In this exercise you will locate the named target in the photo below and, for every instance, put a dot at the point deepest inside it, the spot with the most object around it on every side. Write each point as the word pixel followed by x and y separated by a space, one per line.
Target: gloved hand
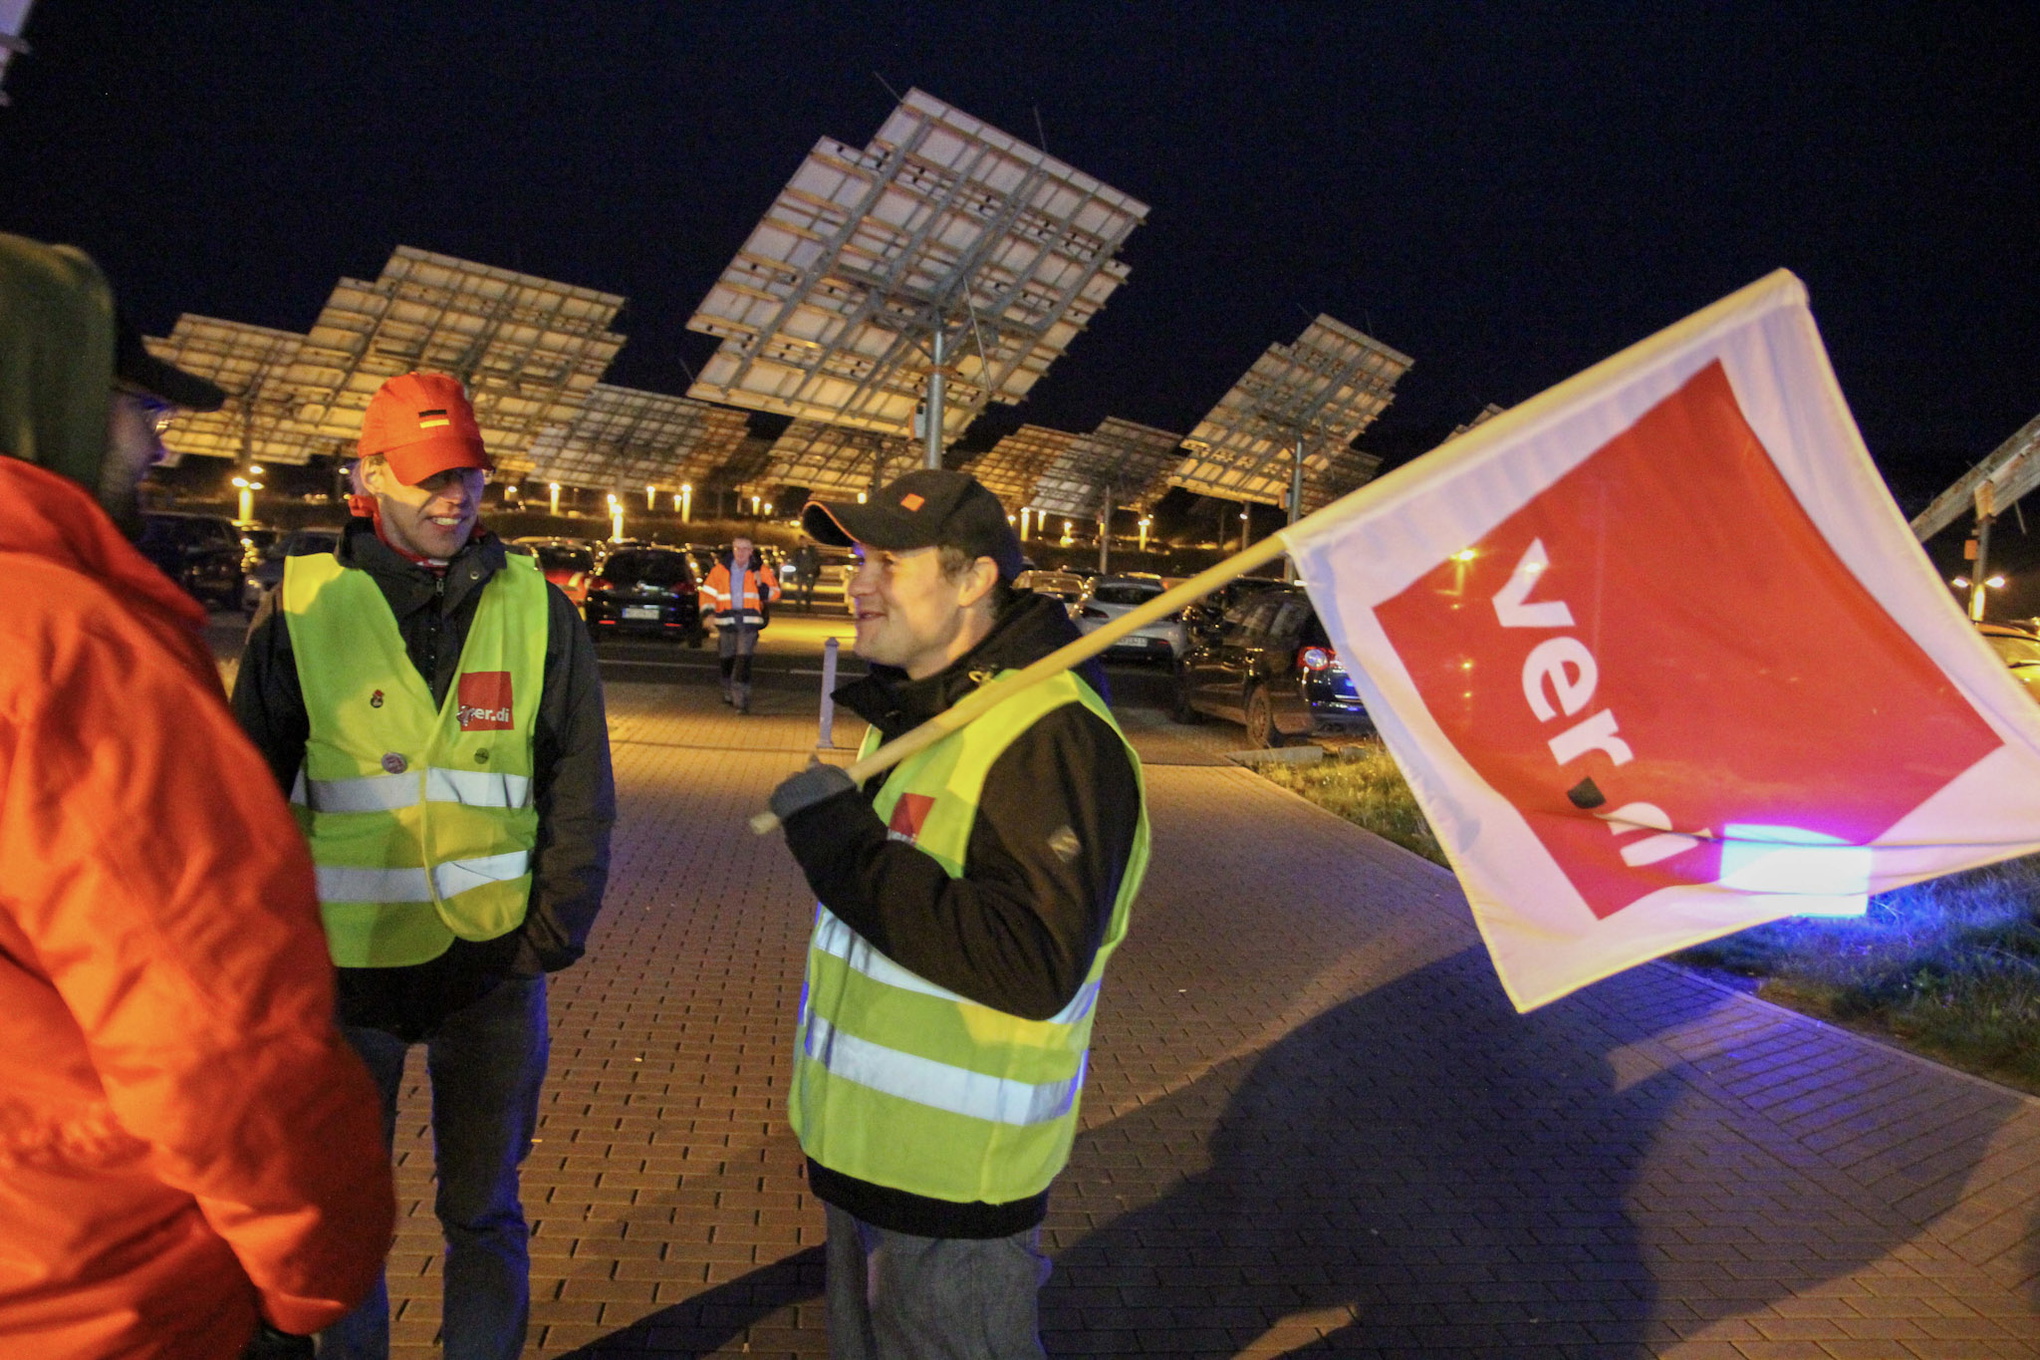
pixel 270 1344
pixel 818 783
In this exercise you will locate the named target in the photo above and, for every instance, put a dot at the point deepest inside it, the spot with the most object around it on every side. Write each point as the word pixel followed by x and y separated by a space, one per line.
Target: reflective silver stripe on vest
pixel 392 792
pixel 338 883
pixel 939 1085
pixel 477 788
pixel 832 936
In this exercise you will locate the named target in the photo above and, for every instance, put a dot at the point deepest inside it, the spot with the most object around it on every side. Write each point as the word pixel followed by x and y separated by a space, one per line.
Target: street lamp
pixel 686 502
pixel 1145 521
pixel 248 490
pixel 554 489
pixel 651 498
pixel 615 519
pixel 1977 591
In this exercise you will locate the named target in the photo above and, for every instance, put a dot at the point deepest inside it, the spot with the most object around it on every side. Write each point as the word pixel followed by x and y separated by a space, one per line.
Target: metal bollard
pixel 827 742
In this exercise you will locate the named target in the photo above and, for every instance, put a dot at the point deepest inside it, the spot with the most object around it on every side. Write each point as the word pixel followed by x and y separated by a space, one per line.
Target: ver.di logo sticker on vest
pixel 909 815
pixel 483 701
pixel 1608 660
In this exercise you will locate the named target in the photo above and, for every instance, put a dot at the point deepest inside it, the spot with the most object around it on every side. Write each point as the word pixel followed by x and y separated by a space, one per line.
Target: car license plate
pixel 641 611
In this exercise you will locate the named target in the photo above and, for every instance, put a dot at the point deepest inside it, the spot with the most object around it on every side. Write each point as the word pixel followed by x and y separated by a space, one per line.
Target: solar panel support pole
pixel 1105 536
pixel 1295 502
pixel 1986 508
pixel 938 388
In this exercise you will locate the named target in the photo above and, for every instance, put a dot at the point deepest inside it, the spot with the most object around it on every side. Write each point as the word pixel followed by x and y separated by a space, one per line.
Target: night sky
pixel 1507 193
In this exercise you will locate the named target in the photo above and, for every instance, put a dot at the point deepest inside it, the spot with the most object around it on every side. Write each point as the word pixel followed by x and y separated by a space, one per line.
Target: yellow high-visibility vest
pixel 903 1083
pixel 420 817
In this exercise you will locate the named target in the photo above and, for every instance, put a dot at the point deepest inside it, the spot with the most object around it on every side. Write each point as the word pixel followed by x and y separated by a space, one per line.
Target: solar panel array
pixel 622 437
pixel 1131 462
pixel 1011 467
pixel 834 461
pixel 1336 472
pixel 1325 389
pixel 1487 413
pixel 743 468
pixel 249 362
pixel 2011 470
pixel 530 350
pixel 943 224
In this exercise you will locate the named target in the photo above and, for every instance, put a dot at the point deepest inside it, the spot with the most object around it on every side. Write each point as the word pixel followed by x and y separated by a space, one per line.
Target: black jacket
pixel 572 786
pixel 1019 930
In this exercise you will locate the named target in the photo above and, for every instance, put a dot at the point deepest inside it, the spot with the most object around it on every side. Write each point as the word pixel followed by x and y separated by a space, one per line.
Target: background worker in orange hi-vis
pixel 737 598
pixel 191 1158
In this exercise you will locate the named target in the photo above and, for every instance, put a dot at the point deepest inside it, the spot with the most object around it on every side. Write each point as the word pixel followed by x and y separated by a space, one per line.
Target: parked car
pixel 1272 669
pixel 268 573
pixel 257 539
pixel 703 556
pixel 201 553
pixel 833 569
pixel 1064 585
pixel 569 563
pixel 646 590
pixel 2020 648
pixel 1203 621
pixel 1107 597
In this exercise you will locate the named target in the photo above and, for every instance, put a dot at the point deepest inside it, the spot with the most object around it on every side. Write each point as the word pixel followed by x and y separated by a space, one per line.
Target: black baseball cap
pixel 928 508
pixel 133 364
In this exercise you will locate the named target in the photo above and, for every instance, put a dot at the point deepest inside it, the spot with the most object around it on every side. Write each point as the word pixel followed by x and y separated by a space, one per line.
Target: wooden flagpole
pixel 1055 663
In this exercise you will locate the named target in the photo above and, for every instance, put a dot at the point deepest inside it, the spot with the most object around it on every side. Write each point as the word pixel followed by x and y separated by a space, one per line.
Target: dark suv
pixel 646 590
pixel 1270 666
pixel 201 553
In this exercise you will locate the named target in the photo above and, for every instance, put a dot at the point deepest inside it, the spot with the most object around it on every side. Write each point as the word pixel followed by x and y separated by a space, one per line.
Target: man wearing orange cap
pixel 434 708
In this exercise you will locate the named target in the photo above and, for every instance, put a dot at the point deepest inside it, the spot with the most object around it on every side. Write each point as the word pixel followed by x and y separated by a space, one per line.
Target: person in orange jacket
pixel 191 1159
pixel 737 599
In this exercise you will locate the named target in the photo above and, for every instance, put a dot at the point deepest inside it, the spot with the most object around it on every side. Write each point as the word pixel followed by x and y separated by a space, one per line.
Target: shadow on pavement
pixel 1421 1168
pixel 709 1321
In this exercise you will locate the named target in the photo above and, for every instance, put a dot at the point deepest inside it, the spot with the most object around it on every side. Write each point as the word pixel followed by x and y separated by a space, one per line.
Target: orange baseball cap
pixel 422 423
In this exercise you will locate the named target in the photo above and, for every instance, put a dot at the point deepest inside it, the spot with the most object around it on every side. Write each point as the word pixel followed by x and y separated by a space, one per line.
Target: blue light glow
pixel 1823 875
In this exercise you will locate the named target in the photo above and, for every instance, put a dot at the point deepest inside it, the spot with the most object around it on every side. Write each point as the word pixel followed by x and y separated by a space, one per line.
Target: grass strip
pixel 1949 969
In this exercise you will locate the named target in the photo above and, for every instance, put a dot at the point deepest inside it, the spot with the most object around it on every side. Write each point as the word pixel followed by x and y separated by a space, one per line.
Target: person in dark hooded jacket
pixel 189 1152
pixel 970 899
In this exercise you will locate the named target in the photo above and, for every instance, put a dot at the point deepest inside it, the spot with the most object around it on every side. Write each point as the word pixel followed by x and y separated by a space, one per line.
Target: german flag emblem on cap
pixel 434 420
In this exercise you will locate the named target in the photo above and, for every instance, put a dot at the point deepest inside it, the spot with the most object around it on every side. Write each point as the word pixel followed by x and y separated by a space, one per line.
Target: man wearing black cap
pixel 189 1152
pixel 969 902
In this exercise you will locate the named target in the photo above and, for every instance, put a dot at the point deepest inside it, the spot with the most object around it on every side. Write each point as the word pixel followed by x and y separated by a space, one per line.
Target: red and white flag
pixel 1661 660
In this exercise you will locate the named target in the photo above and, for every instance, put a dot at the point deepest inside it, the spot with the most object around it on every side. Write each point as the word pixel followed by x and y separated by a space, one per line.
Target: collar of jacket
pixel 50 516
pixel 1030 630
pixel 410 586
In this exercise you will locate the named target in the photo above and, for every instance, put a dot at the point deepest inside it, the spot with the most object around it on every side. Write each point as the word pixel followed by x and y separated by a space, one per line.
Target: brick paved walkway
pixel 1313 1123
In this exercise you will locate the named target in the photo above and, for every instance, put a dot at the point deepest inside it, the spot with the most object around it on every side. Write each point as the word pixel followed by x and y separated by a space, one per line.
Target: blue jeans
pixel 894 1296
pixel 486 1064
